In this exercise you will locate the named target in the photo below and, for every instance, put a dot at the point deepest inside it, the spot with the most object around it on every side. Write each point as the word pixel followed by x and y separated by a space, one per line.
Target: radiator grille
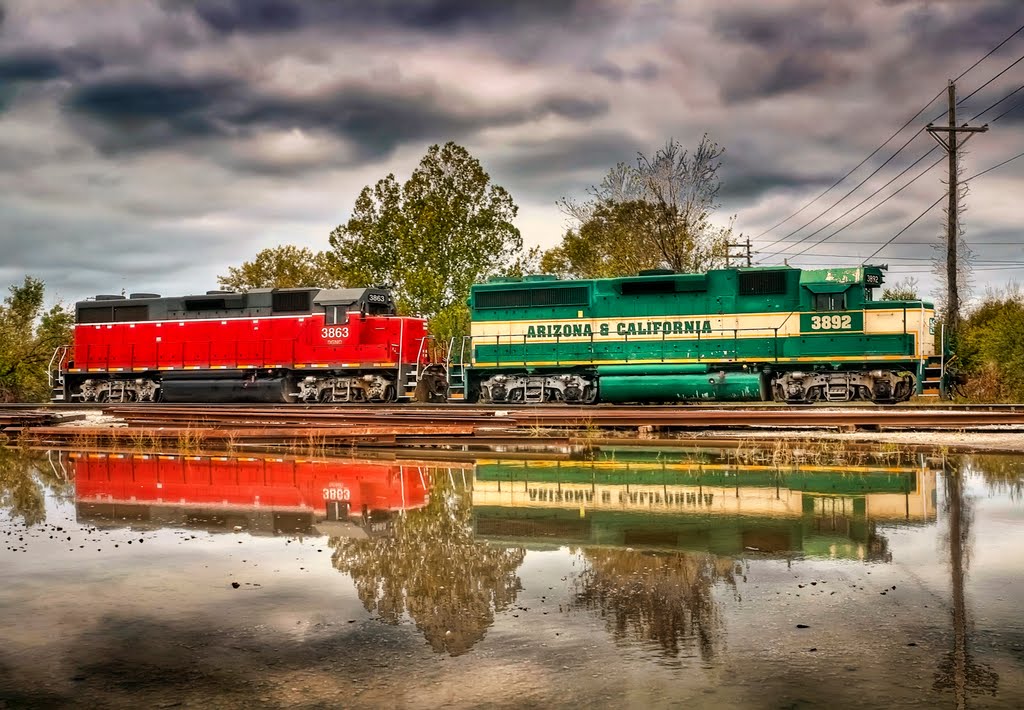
pixel 762 283
pixel 292 302
pixel 536 297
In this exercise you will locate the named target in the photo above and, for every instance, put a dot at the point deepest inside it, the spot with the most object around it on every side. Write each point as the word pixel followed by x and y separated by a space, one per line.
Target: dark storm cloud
pixel 141 99
pixel 143 113
pixel 29 66
pixel 260 16
pixel 762 77
pixel 970 26
pixel 140 113
pixel 250 15
pixel 551 169
pixel 741 186
pixel 786 50
pixel 808 29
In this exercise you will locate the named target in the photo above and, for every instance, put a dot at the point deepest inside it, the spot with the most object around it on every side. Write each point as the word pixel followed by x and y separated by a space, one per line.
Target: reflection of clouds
pixel 433 569
pixel 665 598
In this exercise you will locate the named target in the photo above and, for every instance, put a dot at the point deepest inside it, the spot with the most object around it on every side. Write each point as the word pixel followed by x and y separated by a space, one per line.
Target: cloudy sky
pixel 149 144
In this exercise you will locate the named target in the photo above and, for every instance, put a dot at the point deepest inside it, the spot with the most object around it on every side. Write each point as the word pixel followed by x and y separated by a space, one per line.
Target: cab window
pixel 335 315
pixel 830 301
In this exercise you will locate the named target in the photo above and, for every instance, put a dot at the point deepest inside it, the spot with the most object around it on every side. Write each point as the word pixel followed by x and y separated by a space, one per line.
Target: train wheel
pixel 390 394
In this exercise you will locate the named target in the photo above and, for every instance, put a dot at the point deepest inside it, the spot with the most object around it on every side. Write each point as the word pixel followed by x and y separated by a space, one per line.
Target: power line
pixel 894 179
pixel 982 113
pixel 890 241
pixel 853 169
pixel 990 53
pixel 855 188
pixel 897 235
pixel 912 223
pixel 896 133
pixel 866 212
pixel 1009 110
pixel 1015 63
pixel 998 165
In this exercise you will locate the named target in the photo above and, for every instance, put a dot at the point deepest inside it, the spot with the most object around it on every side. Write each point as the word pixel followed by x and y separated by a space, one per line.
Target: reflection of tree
pixel 665 598
pixel 1002 474
pixel 23 476
pixel 958 671
pixel 432 568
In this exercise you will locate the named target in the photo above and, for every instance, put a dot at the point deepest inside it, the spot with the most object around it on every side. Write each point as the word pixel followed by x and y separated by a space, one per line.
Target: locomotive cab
pixel 338 303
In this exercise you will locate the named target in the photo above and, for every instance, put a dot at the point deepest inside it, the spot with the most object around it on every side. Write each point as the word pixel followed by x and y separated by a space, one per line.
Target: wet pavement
pixel 634 579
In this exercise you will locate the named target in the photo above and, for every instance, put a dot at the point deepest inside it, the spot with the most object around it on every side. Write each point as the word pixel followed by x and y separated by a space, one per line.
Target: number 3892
pixel 831 323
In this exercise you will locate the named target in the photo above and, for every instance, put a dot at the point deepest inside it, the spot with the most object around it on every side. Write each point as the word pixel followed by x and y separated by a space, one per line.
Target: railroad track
pixel 432 418
pixel 459 427
pixel 930 405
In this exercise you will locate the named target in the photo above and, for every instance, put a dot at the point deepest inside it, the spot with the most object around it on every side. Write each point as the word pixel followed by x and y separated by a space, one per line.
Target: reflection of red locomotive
pixel 267 345
pixel 260 494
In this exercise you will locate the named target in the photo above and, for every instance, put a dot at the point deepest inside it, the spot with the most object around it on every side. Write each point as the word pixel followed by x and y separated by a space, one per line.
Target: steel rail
pixel 570 417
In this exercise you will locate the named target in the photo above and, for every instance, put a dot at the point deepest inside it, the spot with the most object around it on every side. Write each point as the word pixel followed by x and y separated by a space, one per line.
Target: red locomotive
pixel 266 345
pixel 291 495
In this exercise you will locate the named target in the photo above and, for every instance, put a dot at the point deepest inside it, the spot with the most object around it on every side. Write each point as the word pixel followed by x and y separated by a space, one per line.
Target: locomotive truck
pixel 743 334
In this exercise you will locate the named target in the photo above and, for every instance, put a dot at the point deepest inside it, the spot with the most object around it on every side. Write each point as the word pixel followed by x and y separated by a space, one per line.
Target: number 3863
pixel 831 323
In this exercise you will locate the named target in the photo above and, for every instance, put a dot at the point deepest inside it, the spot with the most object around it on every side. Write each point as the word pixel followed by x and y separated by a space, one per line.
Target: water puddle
pixel 628 578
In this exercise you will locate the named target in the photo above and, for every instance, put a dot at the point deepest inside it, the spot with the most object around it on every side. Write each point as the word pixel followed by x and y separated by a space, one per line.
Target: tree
pixel 606 244
pixel 657 213
pixel 432 237
pixel 28 337
pixel 284 266
pixel 990 349
pixel 903 290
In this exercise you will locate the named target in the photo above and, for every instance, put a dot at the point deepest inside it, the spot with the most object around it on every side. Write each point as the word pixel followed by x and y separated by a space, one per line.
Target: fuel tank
pixel 722 386
pixel 269 390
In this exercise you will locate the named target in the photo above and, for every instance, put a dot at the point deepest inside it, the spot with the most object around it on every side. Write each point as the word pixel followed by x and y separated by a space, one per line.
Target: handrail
pixel 419 355
pixel 59 355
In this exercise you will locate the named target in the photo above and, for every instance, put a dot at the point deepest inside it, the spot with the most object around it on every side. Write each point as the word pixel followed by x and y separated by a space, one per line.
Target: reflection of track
pixel 261 494
pixel 688 416
pixel 724 509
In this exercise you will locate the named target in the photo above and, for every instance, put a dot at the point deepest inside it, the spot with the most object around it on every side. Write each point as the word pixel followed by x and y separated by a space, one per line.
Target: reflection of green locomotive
pixel 725 509
pixel 733 334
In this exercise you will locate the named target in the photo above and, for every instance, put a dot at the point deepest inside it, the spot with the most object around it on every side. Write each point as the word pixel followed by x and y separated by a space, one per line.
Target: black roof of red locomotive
pixel 258 303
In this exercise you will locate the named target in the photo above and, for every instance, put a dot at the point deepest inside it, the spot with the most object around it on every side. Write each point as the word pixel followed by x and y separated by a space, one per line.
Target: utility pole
pixel 952 146
pixel 744 253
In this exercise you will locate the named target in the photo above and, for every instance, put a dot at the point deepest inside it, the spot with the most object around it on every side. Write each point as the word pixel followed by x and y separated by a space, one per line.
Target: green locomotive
pixel 742 334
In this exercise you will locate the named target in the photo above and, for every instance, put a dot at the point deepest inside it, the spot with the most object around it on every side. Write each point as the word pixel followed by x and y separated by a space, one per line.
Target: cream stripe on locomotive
pixel 754 325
